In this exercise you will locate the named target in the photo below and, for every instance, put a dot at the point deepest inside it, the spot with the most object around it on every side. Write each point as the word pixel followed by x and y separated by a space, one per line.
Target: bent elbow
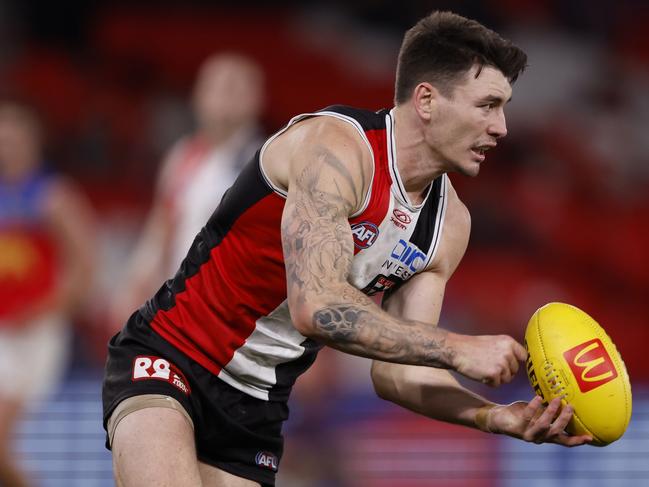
pixel 302 318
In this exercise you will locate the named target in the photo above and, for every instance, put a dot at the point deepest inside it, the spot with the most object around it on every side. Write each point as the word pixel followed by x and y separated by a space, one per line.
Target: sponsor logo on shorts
pixel 400 218
pixel 590 364
pixel 147 367
pixel 365 234
pixel 267 460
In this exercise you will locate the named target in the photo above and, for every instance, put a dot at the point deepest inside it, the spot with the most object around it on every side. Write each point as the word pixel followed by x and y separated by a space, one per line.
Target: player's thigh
pixel 155 447
pixel 215 477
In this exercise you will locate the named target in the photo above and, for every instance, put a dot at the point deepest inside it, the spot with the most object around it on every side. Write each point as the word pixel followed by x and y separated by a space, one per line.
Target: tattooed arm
pixel 330 169
pixel 434 393
pixel 437 394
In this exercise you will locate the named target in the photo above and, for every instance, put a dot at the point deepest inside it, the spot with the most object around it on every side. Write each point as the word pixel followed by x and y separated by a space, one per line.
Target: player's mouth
pixel 480 150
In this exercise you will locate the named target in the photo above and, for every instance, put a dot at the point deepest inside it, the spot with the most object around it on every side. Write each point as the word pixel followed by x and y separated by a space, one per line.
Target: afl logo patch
pixel 365 234
pixel 267 460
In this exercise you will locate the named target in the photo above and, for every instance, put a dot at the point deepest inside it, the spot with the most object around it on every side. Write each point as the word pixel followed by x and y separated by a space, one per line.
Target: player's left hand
pixel 532 422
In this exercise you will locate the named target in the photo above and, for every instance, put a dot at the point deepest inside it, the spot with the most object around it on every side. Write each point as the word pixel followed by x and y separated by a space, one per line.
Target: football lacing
pixel 554 381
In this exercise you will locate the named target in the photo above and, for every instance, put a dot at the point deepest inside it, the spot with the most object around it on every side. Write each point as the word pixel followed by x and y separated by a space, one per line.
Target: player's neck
pixel 417 165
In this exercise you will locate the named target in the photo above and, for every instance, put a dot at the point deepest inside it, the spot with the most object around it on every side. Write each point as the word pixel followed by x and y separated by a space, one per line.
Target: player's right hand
pixel 532 422
pixel 490 359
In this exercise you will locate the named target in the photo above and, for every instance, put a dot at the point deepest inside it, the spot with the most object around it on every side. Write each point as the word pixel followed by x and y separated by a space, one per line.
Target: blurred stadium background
pixel 560 210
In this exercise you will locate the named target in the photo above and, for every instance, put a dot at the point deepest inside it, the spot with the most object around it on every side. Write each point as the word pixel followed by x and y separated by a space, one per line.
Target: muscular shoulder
pixel 333 133
pixel 455 235
pixel 334 144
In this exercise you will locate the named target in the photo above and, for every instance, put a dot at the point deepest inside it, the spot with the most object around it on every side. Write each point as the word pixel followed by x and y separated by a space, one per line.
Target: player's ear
pixel 425 98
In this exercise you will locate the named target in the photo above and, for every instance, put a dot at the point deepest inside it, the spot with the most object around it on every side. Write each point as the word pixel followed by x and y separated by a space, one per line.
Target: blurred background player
pixel 227 101
pixel 45 269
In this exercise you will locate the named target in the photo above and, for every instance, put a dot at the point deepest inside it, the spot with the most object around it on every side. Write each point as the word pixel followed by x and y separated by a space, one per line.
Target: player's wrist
pixel 484 418
pixel 454 351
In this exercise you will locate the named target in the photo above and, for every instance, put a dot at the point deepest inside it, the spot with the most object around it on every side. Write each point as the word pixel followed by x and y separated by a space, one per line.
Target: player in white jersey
pixel 227 102
pixel 196 383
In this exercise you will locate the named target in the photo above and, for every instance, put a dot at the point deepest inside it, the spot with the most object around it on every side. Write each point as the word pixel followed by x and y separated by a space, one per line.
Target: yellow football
pixel 570 356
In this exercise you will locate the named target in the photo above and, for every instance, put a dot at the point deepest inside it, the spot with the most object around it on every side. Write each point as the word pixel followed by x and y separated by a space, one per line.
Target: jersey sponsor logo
pixel 400 218
pixel 590 364
pixel 267 460
pixel 365 234
pixel 409 255
pixel 404 261
pixel 150 367
pixel 380 284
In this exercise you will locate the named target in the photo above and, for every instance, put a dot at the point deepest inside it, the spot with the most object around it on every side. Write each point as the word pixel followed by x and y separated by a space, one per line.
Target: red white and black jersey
pixel 226 308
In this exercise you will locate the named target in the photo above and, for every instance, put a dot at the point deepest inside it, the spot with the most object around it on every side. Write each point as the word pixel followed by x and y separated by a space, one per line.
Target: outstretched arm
pixel 435 393
pixel 329 173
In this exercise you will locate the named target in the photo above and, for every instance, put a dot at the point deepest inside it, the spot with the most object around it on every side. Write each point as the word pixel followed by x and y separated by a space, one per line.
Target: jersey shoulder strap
pixel 367 119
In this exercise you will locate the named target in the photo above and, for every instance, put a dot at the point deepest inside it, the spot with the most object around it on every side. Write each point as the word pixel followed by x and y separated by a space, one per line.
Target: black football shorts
pixel 234 431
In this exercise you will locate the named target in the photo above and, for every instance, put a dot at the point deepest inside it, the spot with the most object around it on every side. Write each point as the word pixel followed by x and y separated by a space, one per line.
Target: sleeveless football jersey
pixel 226 307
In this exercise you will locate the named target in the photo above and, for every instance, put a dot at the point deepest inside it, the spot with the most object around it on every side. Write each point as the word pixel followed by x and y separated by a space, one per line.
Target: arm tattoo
pixel 339 322
pixel 365 331
pixel 318 252
pixel 316 234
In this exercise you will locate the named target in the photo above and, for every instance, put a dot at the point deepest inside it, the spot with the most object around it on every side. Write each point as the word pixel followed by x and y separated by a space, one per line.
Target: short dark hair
pixel 443 46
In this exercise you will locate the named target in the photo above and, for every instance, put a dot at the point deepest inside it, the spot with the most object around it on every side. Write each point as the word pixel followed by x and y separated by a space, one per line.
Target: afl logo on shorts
pixel 365 234
pixel 267 460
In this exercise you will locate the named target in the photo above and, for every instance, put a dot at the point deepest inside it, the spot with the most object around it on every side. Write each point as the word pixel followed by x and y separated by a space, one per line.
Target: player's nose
pixel 498 126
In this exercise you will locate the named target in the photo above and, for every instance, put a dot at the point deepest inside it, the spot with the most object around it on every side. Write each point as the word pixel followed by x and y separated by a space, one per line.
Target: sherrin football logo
pixel 400 218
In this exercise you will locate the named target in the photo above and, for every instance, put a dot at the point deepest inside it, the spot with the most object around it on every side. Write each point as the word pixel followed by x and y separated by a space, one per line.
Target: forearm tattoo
pixel 372 333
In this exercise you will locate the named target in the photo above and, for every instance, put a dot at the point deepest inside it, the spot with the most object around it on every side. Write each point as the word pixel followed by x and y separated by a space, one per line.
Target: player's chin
pixel 470 169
